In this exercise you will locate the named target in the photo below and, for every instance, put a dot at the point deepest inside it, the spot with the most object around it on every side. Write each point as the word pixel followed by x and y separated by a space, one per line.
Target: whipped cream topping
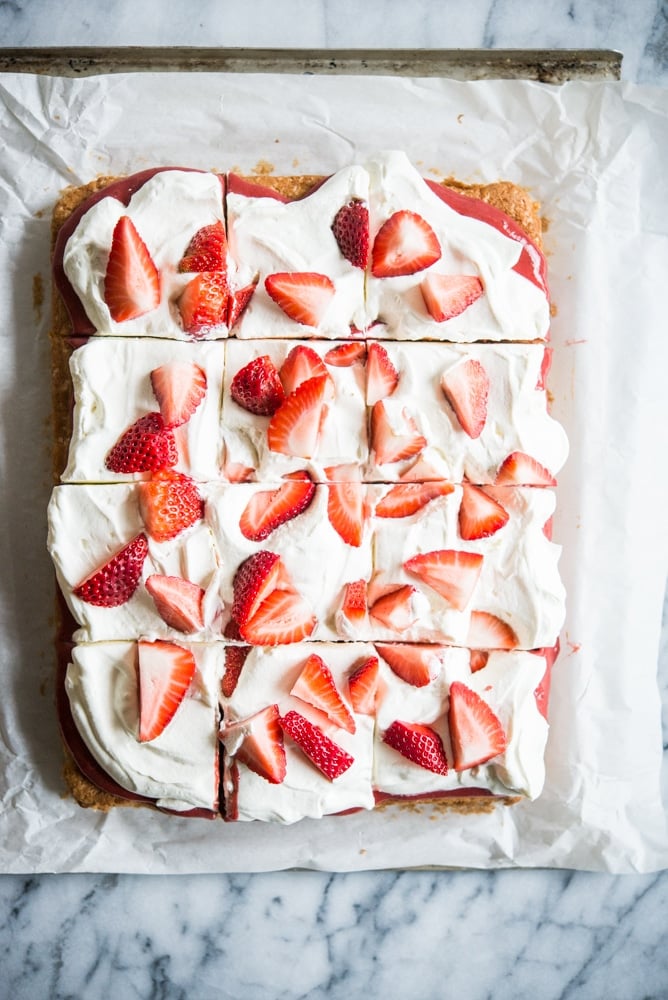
pixel 507 683
pixel 167 211
pixel 179 769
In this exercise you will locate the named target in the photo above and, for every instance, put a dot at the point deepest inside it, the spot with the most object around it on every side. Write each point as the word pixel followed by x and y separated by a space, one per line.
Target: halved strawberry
pixel 407 498
pixel 269 509
pixel 382 377
pixel 301 364
pixel 448 295
pixel 179 387
pixel 324 753
pixel 363 686
pixel 476 733
pixel 418 743
pixel 257 387
pixel 207 250
pixel 347 510
pixel 237 302
pixel 203 303
pixel 302 295
pixel 235 657
pixel 396 439
pixel 451 573
pixel 146 446
pixel 131 281
pixel 345 355
pixel 519 469
pixel 165 673
pixel 169 503
pixel 353 605
pixel 404 244
pixel 478 659
pixel 253 582
pixel 416 663
pixel 479 514
pixel 114 583
pixel 466 388
pixel 179 602
pixel 351 232
pixel 262 749
pixel 486 631
pixel 396 609
pixel 283 617
pixel 295 427
pixel 316 686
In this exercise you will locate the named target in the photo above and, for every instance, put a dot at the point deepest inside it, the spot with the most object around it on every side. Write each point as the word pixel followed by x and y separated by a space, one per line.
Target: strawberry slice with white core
pixel 295 427
pixel 479 514
pixel 115 582
pixel 302 295
pixel 404 244
pixel 203 303
pixel 131 281
pixel 519 469
pixel 408 498
pixel 316 686
pixel 382 377
pixel 179 387
pixel 345 355
pixel 478 659
pixel 451 573
pixel 331 759
pixel 415 663
pixel 396 610
pixel 466 388
pixel 237 302
pixel 146 446
pixel 351 232
pixel 487 631
pixel 346 510
pixel 418 743
pixel 476 733
pixel 363 686
pixel 283 617
pixel 207 250
pixel 396 437
pixel 301 364
pixel 165 672
pixel 257 387
pixel 253 582
pixel 179 602
pixel 169 503
pixel 269 509
pixel 262 747
pixel 448 295
pixel 421 471
pixel 236 472
pixel 353 606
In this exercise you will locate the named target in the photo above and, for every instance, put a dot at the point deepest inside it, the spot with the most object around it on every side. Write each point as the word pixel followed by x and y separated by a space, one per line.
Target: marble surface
pixel 308 934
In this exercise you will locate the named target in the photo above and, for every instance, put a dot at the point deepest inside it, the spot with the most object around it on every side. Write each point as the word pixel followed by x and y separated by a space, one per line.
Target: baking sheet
pixel 594 154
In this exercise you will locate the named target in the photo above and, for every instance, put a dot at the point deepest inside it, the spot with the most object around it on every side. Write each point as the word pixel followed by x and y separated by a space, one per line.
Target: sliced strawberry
pixel 169 503
pixel 418 743
pixel 257 387
pixel 349 472
pixel 236 472
pixel 448 295
pixel 420 471
pixel 207 250
pixel 262 749
pixel 351 232
pixel 382 377
pixel 405 244
pixel 415 663
pixel 327 755
pixel 179 387
pixel 131 281
pixel 451 573
pixel 479 514
pixel 179 602
pixel 146 446
pixel 295 427
pixel 203 303
pixel 301 364
pixel 316 686
pixel 407 498
pixel 478 659
pixel 346 510
pixel 253 582
pixel 353 606
pixel 519 469
pixel 283 617
pixel 466 388
pixel 115 582
pixel 394 441
pixel 486 631
pixel 476 733
pixel 235 657
pixel 545 366
pixel 395 610
pixel 237 302
pixel 165 672
pixel 303 296
pixel 363 686
pixel 269 509
pixel 345 355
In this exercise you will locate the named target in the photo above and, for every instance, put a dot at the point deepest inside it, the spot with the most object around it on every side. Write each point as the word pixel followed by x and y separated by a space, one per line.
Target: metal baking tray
pixel 544 65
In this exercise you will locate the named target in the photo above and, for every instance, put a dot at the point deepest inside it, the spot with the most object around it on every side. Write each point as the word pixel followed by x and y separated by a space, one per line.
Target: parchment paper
pixel 595 155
